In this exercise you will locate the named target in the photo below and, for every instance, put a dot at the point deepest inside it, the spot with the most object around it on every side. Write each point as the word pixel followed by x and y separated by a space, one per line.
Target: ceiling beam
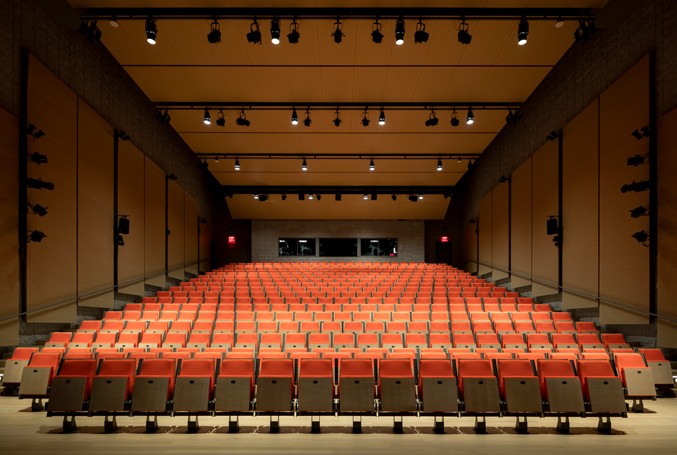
pixel 346 156
pixel 350 105
pixel 366 13
pixel 229 190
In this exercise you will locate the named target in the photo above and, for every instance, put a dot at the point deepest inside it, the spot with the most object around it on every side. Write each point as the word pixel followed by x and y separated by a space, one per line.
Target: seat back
pixel 23 353
pixel 356 368
pixel 276 368
pixel 315 368
pixel 77 367
pixel 629 360
pixel 650 354
pixel 45 359
pixel 475 368
pixel 117 367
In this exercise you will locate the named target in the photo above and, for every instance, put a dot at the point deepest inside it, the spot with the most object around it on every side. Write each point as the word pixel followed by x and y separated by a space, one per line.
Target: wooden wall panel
pixel 485 235
pixel 154 226
pixel 667 230
pixel 623 263
pixel 544 203
pixel 176 236
pixel 131 189
pixel 95 209
pixel 500 251
pixel 52 264
pixel 470 247
pixel 205 246
pixel 580 208
pixel 9 237
pixel 520 229
pixel 190 243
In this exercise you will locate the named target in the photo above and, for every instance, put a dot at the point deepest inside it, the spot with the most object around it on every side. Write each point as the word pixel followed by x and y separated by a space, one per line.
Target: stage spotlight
pixel 119 240
pixel 310 197
pixel 284 197
pixel 337 119
pixel 413 197
pixel 639 211
pixel 551 227
pixel 454 119
pixel 221 120
pixel 34 132
pixel 470 118
pixel 503 179
pixel 294 117
pixel 559 23
pixel 254 34
pixel 207 118
pixel 636 187
pixel 263 197
pixel 365 118
pixel 307 121
pixel 275 31
pixel 39 184
pixel 376 35
pixel 294 35
pixel 151 30
pixel 642 237
pixel 90 29
pixel 242 119
pixel 302 197
pixel 420 35
pixel 420 196
pixel 37 209
pixel 636 160
pixel 304 165
pixel 256 196
pixel 382 118
pixel 586 29
pixel 365 196
pixel 399 32
pixel 123 225
pixel 464 36
pixel 439 164
pixel 114 22
pixel 372 167
pixel 374 196
pixel 522 31
pixel 338 32
pixel 37 158
pixel 641 133
pixel 164 117
pixel 36 236
pixel 337 197
pixel 237 164
pixel 432 119
pixel 318 196
pixel 552 135
pixel 214 36
pixel 393 197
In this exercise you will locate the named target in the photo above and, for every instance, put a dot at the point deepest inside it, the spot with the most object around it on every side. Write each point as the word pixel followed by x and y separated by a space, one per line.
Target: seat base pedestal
pixel 110 424
pixel 193 424
pixel 604 425
pixel 69 424
pixel 233 424
pixel 357 425
pixel 151 424
pixel 438 425
pixel 314 424
pixel 521 426
pixel 563 426
pixel 480 425
pixel 274 424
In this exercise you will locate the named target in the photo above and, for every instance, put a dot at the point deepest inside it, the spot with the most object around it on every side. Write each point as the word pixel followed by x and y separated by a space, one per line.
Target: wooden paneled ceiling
pixel 184 73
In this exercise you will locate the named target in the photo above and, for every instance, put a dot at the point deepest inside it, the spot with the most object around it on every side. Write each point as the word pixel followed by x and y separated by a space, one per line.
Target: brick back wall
pixel 266 233
pixel 584 72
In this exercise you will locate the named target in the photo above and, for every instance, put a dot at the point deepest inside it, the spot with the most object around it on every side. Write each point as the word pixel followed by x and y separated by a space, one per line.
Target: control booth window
pixel 296 247
pixel 378 247
pixel 338 247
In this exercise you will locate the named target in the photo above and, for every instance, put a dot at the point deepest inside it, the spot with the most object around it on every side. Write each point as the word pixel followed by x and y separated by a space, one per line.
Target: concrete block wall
pixel 266 233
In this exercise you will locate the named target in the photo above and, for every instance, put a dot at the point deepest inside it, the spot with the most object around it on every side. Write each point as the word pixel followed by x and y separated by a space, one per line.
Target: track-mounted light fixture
pixel 376 35
pixel 365 117
pixel 365 197
pixel 307 121
pixel 586 29
pixel 294 35
pixel 372 166
pixel 164 117
pixel 439 164
pixel 206 117
pixel 304 165
pixel 642 237
pixel 522 31
pixel 311 197
pixel 637 160
pixel 454 119
pixel 35 236
pixel 90 29
pixel 432 119
pixel 242 119
pixel 254 34
pixel 641 133
pixel 34 132
pixel 382 117
pixel 221 120
pixel 420 35
pixel 37 209
pixel 420 196
pixel 636 187
pixel 275 31
pixel 294 117
pixel 470 118
pixel 639 211
pixel 214 35
pixel 237 164
pixel 37 158
pixel 338 31
pixel 399 31
pixel 39 184
pixel 151 30
pixel 337 119
pixel 464 36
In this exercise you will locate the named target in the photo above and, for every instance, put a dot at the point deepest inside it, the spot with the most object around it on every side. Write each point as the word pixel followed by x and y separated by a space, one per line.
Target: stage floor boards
pixel 27 433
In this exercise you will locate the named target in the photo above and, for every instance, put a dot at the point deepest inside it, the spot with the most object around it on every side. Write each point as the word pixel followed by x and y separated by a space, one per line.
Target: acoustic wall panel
pixel 9 237
pixel 520 225
pixel 485 234
pixel 95 209
pixel 544 204
pixel 190 229
pixel 500 217
pixel 205 233
pixel 131 203
pixel 623 262
pixel 667 231
pixel 52 263
pixel 470 247
pixel 154 225
pixel 175 230
pixel 580 207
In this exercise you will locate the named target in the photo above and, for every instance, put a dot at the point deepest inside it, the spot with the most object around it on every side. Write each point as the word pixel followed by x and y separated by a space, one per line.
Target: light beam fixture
pixel 304 165
pixel 382 118
pixel 242 119
pixel 522 31
pixel 432 119
pixel 35 236
pixel 294 35
pixel 214 36
pixel 470 118
pixel 639 211
pixel 420 35
pixel 399 31
pixel 37 158
pixel 439 164
pixel 254 34
pixel 337 119
pixel 376 35
pixel 307 121
pixel 454 119
pixel 365 118
pixel 372 167
pixel 221 120
pixel 294 117
pixel 237 164
pixel 207 118
pixel 338 31
pixel 464 36
pixel 151 30
pixel 275 31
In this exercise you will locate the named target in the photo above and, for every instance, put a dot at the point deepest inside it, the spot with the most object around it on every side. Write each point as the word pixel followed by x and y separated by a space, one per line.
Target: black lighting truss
pixel 332 106
pixel 366 13
pixel 230 190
